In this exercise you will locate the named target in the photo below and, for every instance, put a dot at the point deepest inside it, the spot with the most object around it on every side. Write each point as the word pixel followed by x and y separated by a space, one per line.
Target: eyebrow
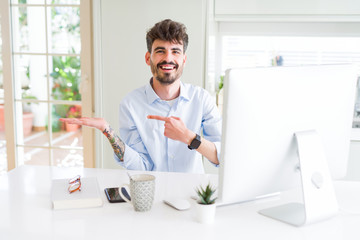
pixel 163 48
pixel 177 49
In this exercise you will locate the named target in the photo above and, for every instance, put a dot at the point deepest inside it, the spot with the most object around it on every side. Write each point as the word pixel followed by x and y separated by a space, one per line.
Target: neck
pixel 166 92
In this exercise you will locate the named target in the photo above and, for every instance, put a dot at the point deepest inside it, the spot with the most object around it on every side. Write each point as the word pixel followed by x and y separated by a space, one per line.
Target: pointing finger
pixel 177 118
pixel 156 117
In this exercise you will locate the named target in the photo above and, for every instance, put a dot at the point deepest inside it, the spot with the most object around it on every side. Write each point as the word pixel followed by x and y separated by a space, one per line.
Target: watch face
pixel 195 142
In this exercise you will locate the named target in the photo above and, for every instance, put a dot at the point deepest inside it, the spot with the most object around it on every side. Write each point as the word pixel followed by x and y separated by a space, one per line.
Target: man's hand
pixel 175 129
pixel 98 123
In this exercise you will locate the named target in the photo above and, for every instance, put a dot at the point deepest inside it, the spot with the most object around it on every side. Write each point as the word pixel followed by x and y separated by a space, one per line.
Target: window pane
pixel 65 78
pixel 68 135
pixel 30 77
pixel 71 136
pixel 1 68
pixel 266 51
pixel 248 51
pixel 65 30
pixel 28 1
pixel 3 161
pixel 68 158
pixel 63 1
pixel 33 124
pixel 28 29
pixel 34 156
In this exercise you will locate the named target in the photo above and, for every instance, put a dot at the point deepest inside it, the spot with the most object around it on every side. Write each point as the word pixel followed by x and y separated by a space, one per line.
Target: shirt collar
pixel 184 92
pixel 152 96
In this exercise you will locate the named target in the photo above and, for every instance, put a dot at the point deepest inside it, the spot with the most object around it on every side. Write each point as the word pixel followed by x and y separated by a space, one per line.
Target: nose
pixel 168 56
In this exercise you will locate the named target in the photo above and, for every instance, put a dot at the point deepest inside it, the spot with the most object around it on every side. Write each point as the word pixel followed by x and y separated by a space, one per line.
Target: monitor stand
pixel 318 193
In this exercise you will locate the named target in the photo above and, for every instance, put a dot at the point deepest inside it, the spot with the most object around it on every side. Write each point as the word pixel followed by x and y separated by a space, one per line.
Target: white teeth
pixel 167 68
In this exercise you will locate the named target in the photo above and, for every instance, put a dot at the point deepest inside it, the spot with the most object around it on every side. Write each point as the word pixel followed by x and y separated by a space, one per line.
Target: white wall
pixel 120 47
pixel 289 10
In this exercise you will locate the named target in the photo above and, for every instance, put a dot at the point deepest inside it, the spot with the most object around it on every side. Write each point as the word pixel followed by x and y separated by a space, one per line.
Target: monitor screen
pixel 264 107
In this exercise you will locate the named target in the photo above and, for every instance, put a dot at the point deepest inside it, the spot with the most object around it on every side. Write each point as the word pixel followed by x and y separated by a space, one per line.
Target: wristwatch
pixel 195 143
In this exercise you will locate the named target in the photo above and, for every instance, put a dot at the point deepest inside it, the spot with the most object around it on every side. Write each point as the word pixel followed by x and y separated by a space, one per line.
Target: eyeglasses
pixel 74 184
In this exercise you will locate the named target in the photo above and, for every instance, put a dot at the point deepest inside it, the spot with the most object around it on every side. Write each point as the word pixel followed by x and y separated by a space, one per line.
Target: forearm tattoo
pixel 116 143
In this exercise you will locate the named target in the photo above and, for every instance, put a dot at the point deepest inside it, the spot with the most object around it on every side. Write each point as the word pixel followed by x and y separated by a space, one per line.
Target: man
pixel 161 123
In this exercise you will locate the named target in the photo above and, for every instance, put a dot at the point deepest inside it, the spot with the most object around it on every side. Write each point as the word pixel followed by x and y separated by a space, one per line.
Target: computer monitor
pixel 263 109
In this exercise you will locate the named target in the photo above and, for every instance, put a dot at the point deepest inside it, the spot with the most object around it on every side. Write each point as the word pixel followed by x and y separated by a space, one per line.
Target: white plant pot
pixel 205 213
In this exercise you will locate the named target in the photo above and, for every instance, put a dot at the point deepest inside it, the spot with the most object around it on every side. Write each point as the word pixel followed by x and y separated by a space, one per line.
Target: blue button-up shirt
pixel 146 147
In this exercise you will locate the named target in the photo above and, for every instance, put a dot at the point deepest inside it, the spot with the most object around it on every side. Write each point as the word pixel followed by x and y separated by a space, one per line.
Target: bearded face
pixel 166 61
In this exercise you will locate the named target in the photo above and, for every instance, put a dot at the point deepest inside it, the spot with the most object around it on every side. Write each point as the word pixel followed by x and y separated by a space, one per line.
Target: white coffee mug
pixel 142 190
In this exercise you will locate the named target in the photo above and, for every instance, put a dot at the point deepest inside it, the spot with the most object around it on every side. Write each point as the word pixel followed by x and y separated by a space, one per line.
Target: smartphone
pixel 113 195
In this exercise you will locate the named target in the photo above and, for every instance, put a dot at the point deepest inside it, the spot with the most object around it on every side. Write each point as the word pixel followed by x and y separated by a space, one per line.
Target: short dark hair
pixel 167 30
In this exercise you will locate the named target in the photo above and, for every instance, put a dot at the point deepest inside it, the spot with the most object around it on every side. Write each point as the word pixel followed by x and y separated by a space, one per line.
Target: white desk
pixel 26 213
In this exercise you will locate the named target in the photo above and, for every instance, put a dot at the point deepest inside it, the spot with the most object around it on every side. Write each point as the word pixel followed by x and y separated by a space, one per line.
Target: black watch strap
pixel 195 143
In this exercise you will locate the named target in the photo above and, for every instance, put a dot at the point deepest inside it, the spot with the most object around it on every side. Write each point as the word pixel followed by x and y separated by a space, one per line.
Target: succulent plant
pixel 206 194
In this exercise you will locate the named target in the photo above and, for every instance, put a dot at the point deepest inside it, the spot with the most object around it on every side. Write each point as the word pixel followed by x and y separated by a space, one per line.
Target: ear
pixel 147 58
pixel 185 57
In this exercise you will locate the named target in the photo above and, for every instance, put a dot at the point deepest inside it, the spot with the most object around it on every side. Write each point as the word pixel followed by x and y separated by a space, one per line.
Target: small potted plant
pixel 220 93
pixel 206 206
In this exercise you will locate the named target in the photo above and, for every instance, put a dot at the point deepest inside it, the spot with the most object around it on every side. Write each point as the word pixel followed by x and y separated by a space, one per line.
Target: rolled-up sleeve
pixel 212 123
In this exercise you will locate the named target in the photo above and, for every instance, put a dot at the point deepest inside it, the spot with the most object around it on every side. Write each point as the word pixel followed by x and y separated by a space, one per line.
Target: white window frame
pixel 86 84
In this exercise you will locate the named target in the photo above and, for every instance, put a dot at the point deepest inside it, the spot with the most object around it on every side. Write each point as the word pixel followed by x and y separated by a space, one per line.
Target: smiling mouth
pixel 167 67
